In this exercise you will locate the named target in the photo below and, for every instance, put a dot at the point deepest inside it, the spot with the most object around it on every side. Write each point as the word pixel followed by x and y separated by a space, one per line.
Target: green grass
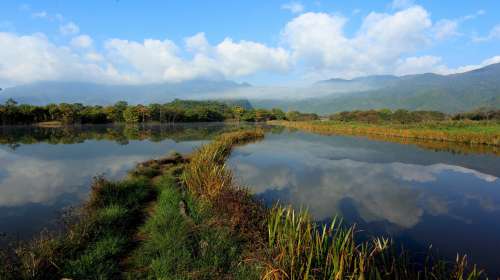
pixel 191 246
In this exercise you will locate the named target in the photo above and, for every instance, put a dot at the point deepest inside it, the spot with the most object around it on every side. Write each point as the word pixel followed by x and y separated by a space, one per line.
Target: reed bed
pixel 207 175
pixel 467 132
pixel 301 249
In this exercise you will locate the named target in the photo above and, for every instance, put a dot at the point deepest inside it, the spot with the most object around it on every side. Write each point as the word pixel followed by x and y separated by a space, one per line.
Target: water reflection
pixel 39 179
pixel 418 196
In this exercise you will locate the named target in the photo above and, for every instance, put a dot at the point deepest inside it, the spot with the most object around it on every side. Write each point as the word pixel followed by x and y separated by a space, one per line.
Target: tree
pixel 144 112
pixel 131 115
pixel 278 114
pixel 238 112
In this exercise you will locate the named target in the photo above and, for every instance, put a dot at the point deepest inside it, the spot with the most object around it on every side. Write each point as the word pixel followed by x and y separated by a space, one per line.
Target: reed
pixel 206 175
pixel 301 249
pixel 467 132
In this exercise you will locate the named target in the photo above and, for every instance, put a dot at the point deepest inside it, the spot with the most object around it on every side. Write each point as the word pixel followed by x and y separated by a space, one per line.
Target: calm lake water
pixel 43 171
pixel 417 196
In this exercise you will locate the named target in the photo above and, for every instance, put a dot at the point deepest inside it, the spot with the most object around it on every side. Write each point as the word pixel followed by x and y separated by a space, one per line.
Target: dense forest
pixel 176 111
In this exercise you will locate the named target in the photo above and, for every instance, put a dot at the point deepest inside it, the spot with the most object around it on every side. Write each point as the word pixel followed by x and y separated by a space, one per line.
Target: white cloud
pixel 294 7
pixel 82 41
pixel 318 41
pixel 465 68
pixel 156 60
pixel 401 4
pixel 41 14
pixel 93 56
pixel 448 28
pixel 445 28
pixel 312 45
pixel 69 29
pixel 493 35
pixel 31 58
pixel 474 15
pixel 420 64
pixel 46 16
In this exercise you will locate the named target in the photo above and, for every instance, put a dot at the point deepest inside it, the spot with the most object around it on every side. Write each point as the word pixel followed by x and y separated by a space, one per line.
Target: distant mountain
pixel 447 93
pixel 41 93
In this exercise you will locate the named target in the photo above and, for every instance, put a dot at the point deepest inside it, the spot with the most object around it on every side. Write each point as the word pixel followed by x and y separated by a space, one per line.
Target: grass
pixel 178 218
pixel 461 132
pixel 93 246
pixel 184 245
pixel 300 249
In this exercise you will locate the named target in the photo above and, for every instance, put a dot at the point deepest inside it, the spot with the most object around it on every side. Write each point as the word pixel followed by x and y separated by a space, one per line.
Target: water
pixel 43 171
pixel 415 195
pixel 418 196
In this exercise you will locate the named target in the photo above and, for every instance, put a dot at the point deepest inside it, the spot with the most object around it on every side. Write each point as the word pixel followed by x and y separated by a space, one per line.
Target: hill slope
pixel 450 93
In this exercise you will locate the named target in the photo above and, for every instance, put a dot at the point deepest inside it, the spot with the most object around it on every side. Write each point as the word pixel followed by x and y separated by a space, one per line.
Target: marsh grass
pixel 466 132
pixel 301 249
pixel 206 174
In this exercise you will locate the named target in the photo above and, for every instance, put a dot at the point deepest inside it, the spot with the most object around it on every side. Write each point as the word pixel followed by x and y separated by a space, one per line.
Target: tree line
pixel 12 113
pixel 405 116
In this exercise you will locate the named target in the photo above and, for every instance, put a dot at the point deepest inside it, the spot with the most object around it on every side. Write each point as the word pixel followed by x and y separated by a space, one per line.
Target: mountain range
pixel 447 93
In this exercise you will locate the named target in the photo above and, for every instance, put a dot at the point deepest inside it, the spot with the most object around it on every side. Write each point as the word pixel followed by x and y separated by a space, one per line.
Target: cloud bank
pixel 313 45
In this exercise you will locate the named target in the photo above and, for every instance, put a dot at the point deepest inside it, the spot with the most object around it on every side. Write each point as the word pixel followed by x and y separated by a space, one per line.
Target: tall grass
pixel 467 132
pixel 300 249
pixel 206 174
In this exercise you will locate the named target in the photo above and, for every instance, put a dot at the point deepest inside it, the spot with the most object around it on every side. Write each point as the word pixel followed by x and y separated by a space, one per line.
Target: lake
pixel 43 171
pixel 416 195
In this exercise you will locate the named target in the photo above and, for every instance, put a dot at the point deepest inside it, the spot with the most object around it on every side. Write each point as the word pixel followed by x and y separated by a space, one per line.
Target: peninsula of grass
pixel 464 132
pixel 187 218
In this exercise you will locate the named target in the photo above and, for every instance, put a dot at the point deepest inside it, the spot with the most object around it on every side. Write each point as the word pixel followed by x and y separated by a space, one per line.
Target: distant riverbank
pixel 466 132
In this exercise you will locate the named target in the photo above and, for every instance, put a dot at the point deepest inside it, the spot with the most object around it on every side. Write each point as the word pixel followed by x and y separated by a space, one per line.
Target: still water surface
pixel 43 171
pixel 417 196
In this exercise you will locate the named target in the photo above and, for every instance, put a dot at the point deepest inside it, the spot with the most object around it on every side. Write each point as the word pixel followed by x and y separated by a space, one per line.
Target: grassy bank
pixel 465 132
pixel 178 218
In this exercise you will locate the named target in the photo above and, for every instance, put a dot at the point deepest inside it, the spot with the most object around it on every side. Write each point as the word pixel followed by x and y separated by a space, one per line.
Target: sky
pixel 263 42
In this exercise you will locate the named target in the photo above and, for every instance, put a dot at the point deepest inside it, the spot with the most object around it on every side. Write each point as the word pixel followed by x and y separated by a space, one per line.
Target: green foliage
pixel 298 116
pixel 386 115
pixel 175 111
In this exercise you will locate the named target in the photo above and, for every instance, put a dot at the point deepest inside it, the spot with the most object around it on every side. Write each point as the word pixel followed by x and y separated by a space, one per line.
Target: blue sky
pixel 263 42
